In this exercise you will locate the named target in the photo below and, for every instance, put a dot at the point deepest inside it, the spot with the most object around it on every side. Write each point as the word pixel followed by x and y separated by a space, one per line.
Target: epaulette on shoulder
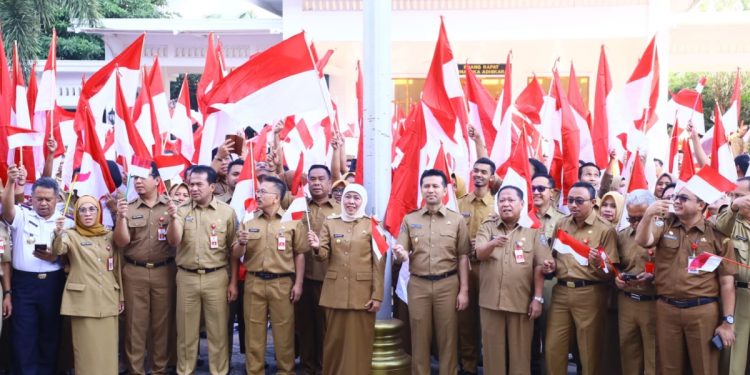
pixel 490 219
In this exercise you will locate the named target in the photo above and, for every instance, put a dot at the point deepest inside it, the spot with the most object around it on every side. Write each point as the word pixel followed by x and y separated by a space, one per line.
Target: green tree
pixel 719 88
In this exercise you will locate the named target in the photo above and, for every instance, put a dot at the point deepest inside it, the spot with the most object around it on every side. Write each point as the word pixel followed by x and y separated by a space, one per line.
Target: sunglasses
pixel 539 188
pixel 681 198
pixel 635 219
pixel 577 201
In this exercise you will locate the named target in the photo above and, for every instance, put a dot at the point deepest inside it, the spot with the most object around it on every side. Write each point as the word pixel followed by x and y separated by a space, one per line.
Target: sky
pixel 223 9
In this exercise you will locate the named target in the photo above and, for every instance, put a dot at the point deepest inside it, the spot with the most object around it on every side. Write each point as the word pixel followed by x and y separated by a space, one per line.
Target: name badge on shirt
pixel 693 271
pixel 2 246
pixel 189 218
pixel 213 241
pixel 33 223
pixel 338 236
pixel 254 230
pixel 281 243
pixel 110 264
pixel 162 233
pixel 137 217
pixel 518 252
pixel 670 236
pixel 86 243
pixel 416 226
pixel 466 214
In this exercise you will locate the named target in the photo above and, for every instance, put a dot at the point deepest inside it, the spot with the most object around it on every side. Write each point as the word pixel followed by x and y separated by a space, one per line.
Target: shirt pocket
pixel 76 287
pixel 741 250
pixel 332 275
pixel 669 245
pixel 137 223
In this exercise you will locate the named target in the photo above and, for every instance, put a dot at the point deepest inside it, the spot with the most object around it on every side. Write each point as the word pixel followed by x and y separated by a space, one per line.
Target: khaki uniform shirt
pixel 632 259
pixel 315 269
pixel 549 220
pixel 224 196
pixel 476 210
pixel 505 283
pixel 354 275
pixel 144 223
pixel 595 232
pixel 738 228
pixel 92 288
pixel 673 247
pixel 194 251
pixel 263 252
pixel 434 241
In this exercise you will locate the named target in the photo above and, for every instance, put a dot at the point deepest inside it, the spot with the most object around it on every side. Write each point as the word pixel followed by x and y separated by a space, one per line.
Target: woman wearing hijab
pixel 612 207
pixel 353 286
pixel 92 297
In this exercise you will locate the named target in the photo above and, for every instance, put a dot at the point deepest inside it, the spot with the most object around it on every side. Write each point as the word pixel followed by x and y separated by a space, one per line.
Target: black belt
pixel 270 275
pixel 438 276
pixel 38 275
pixel 690 302
pixel 742 284
pixel 201 271
pixel 575 283
pixel 149 265
pixel 639 297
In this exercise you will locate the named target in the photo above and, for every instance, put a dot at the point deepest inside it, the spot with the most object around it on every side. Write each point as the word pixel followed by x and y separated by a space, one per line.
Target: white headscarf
pixel 359 189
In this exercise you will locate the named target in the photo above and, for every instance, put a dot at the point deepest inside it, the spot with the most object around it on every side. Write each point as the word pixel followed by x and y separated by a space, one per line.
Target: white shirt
pixel 27 230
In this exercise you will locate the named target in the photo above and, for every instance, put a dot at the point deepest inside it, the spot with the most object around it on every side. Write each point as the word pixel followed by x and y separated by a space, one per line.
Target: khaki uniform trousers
pixel 94 345
pixel 580 313
pixel 468 325
pixel 205 293
pixel 150 307
pixel 506 337
pixel 432 304
pixel 686 331
pixel 264 298
pixel 311 327
pixel 347 348
pixel 738 352
pixel 637 325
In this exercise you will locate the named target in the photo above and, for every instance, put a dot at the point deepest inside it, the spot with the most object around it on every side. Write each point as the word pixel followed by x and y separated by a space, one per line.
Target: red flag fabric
pixel 213 72
pixel 570 139
pixel 687 170
pixel 674 146
pixel 731 118
pixel 405 183
pixel 519 175
pixel 600 125
pixel 244 199
pixel 567 244
pixel 297 185
pixel 482 108
pixel 379 243
pixel 722 158
pixel 637 175
pixel 94 178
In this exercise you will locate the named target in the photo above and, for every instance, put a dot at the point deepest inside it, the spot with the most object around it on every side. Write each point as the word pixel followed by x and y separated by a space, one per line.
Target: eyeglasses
pixel 577 201
pixel 635 219
pixel 507 200
pixel 681 198
pixel 84 210
pixel 264 192
pixel 539 188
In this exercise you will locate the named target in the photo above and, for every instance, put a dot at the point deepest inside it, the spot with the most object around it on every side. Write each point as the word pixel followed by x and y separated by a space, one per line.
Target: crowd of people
pixel 483 290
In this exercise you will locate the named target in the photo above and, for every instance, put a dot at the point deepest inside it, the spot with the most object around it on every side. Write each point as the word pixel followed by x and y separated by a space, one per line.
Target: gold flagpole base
pixel 387 356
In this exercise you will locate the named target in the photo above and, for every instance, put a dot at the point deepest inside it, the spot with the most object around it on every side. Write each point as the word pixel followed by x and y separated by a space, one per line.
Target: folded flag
pixel 566 244
pixel 706 262
pixel 379 243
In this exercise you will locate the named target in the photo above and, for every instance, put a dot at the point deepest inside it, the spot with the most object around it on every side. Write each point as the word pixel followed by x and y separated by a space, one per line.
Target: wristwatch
pixel 539 299
pixel 729 319
pixel 6 293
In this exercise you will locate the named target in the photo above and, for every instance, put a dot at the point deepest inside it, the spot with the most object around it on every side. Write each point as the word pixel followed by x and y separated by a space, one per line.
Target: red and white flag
pixel 182 122
pixel 379 242
pixel 22 137
pixel 686 106
pixel 687 169
pixel 94 178
pixel 731 118
pixel 705 262
pixel 20 117
pixel 600 132
pixel 128 145
pixel 243 200
pixel 674 145
pixel 296 210
pixel 99 90
pixel 566 244
pixel 170 166
pixel 637 176
pixel 278 82
pixel 445 111
pixel 709 185
pixel 482 109
pixel 567 138
pixel 519 175
pixel 213 73
pixel 582 118
pixel 159 98
pixel 722 158
pixel 640 96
